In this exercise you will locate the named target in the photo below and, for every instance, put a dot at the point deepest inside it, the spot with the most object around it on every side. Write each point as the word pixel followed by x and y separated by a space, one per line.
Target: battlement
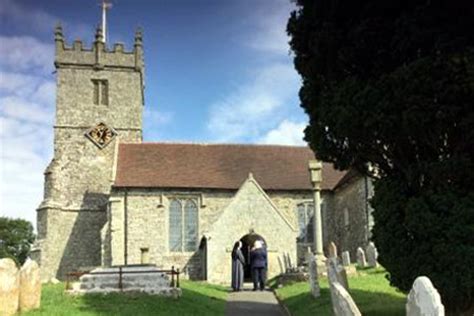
pixel 98 56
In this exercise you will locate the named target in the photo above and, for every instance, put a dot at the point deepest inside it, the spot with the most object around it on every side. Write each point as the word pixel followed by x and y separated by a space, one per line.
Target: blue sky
pixel 216 71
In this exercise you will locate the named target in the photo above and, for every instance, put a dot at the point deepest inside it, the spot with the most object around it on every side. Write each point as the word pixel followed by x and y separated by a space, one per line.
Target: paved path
pixel 250 303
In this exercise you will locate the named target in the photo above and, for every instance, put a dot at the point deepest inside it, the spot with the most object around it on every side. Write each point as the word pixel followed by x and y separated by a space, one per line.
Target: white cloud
pixel 269 25
pixel 154 117
pixel 255 106
pixel 27 94
pixel 35 19
pixel 26 53
pixel 286 133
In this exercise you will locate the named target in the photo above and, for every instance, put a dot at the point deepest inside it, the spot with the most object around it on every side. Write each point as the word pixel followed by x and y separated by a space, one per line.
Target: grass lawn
pixel 370 291
pixel 197 299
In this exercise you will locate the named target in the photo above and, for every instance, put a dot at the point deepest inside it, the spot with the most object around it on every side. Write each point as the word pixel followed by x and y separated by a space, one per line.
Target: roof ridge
pixel 213 144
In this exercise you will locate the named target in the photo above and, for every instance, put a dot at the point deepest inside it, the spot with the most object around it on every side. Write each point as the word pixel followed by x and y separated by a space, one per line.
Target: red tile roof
pixel 217 166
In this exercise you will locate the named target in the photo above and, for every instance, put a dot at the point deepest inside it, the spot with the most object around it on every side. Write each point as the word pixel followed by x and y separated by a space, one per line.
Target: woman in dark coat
pixel 238 262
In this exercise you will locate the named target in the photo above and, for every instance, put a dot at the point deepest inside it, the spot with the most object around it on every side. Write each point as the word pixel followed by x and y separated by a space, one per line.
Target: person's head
pixel 257 244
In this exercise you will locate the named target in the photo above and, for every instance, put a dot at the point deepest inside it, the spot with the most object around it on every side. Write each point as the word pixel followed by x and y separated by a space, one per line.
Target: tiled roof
pixel 217 166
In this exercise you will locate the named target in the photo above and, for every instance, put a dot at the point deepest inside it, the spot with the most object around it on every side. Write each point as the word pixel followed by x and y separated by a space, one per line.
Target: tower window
pixel 101 92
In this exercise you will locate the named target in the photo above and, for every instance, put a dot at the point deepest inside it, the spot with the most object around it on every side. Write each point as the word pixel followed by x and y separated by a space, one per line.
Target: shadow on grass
pixel 197 299
pixel 208 300
pixel 301 303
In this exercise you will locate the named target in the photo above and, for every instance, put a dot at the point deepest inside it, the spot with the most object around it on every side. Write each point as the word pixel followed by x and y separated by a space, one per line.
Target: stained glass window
pixel 190 226
pixel 305 213
pixel 176 226
pixel 183 225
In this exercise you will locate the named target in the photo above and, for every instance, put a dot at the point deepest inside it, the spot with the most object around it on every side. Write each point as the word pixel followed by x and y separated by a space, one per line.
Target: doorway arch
pixel 247 244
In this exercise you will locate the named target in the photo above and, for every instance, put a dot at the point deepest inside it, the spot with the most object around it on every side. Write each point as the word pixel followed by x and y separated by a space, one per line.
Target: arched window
pixel 176 226
pixel 190 226
pixel 183 225
pixel 305 213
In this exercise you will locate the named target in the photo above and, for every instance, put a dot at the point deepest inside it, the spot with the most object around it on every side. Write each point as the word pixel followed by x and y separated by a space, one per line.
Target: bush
pixel 16 238
pixel 431 234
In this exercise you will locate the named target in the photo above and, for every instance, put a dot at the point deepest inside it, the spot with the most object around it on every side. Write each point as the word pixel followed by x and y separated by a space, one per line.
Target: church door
pixel 247 244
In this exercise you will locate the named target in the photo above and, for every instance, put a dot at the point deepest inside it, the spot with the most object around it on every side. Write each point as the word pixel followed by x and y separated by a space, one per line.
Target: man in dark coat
pixel 258 264
pixel 238 262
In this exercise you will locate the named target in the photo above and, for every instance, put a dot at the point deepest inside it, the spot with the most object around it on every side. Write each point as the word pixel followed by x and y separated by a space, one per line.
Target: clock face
pixel 101 135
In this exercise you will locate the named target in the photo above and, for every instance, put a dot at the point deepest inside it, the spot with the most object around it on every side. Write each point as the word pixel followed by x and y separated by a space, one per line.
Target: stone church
pixel 111 199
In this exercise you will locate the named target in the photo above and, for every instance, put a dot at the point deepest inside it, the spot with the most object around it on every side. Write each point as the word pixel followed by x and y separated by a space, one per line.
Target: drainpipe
pixel 125 228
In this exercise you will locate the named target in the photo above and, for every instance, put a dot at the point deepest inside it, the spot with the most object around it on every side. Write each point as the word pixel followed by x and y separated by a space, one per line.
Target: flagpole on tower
pixel 105 6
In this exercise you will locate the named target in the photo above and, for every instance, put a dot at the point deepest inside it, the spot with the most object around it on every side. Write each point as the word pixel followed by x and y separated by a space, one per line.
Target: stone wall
pixel 148 226
pixel 349 219
pixel 80 175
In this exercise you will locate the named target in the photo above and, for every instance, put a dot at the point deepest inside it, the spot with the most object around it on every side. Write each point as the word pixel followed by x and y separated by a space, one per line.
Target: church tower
pixel 99 104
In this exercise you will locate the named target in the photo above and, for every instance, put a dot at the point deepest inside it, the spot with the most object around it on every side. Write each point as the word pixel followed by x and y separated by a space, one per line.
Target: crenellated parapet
pixel 99 56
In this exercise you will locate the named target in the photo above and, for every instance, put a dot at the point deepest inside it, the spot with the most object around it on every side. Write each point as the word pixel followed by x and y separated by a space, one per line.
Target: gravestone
pixel 361 258
pixel 332 250
pixel 30 286
pixel 313 277
pixel 9 287
pixel 336 272
pixel 346 259
pixel 371 253
pixel 424 299
pixel 342 302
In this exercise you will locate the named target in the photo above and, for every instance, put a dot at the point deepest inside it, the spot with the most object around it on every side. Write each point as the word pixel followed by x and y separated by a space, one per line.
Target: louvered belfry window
pixel 183 225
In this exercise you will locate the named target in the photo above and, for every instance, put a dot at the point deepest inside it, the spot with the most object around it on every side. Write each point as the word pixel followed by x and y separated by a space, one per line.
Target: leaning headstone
pixel 342 302
pixel 313 277
pixel 336 273
pixel 346 259
pixel 372 255
pixel 332 249
pixel 361 258
pixel 424 299
pixel 30 286
pixel 9 287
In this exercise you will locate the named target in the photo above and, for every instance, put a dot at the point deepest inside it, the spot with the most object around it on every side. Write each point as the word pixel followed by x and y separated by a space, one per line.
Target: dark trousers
pixel 258 277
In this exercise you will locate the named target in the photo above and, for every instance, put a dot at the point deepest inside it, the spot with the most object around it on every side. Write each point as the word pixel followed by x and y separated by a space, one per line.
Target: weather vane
pixel 105 6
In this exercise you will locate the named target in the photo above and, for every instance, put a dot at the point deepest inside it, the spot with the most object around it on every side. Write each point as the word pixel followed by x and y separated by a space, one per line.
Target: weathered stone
pixel 336 273
pixel 372 255
pixel 342 302
pixel 313 277
pixel 332 250
pixel 145 279
pixel 9 287
pixel 424 299
pixel 361 258
pixel 81 221
pixel 346 258
pixel 30 286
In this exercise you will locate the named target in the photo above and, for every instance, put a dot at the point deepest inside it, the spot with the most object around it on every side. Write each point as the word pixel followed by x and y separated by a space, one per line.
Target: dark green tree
pixel 16 238
pixel 389 90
